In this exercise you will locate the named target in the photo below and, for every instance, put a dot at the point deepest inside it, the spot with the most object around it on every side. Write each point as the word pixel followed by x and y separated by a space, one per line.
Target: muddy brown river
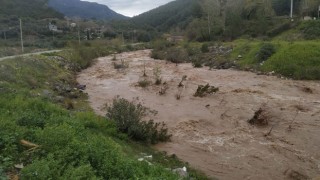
pixel 212 133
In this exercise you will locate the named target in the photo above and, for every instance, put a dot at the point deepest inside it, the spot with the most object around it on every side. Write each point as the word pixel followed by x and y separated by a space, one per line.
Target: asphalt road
pixel 28 54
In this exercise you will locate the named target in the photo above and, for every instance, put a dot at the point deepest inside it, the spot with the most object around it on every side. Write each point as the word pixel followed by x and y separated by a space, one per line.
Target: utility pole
pixel 122 38
pixel 209 28
pixel 291 10
pixel 319 12
pixel 133 34
pixel 223 4
pixel 22 48
pixel 79 36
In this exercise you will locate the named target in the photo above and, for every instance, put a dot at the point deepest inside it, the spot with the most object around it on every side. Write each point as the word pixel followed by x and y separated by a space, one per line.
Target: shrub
pixel 128 118
pixel 164 88
pixel 30 120
pixel 157 75
pixel 311 29
pixel 204 48
pixel 158 81
pixel 144 83
pixel 161 44
pixel 157 54
pixel 196 63
pixel 129 47
pixel 192 50
pixel 59 44
pixel 85 55
pixel 2 175
pixel 204 90
pixel 177 55
pixel 266 51
pixel 184 78
pixel 121 65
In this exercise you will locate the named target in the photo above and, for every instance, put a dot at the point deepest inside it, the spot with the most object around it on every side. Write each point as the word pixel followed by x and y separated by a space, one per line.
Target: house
pixel 174 39
pixel 54 28
pixel 73 25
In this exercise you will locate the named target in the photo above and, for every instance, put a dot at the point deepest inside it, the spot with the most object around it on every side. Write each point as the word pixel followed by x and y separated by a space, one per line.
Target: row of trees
pixel 215 19
pixel 230 19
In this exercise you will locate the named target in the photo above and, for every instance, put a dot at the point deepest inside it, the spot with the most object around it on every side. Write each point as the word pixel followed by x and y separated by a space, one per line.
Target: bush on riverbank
pixel 128 118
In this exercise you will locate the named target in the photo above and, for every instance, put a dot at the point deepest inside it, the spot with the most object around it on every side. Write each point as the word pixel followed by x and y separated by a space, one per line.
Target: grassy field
pixel 293 59
pixel 47 125
pixel 297 60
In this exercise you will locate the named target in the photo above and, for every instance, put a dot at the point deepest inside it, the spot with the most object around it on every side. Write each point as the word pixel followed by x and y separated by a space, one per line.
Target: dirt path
pixel 212 133
pixel 28 54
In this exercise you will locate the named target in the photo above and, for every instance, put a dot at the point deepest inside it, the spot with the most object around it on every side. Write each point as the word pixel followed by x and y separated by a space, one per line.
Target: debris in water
pixel 202 91
pixel 260 118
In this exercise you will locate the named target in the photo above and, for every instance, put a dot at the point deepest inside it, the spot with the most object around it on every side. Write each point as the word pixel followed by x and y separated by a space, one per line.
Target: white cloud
pixel 131 7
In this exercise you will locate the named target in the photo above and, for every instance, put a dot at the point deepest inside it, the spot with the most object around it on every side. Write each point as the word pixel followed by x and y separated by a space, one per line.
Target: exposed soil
pixel 212 133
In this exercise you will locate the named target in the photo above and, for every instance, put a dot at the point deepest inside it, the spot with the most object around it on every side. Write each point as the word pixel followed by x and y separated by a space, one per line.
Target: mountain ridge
pixel 35 9
pixel 85 10
pixel 167 15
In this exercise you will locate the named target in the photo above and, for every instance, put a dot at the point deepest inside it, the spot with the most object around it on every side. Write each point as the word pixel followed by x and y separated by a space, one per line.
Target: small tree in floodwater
pixel 157 75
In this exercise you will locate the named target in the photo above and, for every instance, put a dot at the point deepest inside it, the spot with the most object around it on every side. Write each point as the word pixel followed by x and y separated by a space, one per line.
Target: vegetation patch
pixel 310 29
pixel 164 88
pixel 196 62
pixel 204 48
pixel 297 60
pixel 157 75
pixel 128 118
pixel 177 55
pixel 265 52
pixel 144 83
pixel 204 90
pixel 121 65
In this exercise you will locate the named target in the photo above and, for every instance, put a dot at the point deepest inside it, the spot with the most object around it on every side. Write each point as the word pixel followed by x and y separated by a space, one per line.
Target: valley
pixel 212 133
pixel 188 90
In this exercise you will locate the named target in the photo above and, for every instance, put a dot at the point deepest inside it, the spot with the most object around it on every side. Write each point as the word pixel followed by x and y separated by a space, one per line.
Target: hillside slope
pixel 206 20
pixel 36 9
pixel 176 13
pixel 83 9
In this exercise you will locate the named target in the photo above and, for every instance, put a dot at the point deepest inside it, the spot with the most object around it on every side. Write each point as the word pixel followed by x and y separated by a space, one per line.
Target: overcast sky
pixel 131 7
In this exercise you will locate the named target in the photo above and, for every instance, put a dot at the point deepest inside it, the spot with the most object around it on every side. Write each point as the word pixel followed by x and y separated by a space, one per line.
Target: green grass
pixel 297 60
pixel 75 143
pixel 248 50
pixel 68 142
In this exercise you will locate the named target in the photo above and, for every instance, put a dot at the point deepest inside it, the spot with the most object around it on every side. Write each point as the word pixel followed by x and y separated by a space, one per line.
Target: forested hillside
pixel 231 19
pixel 177 13
pixel 36 9
pixel 206 20
pixel 83 9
